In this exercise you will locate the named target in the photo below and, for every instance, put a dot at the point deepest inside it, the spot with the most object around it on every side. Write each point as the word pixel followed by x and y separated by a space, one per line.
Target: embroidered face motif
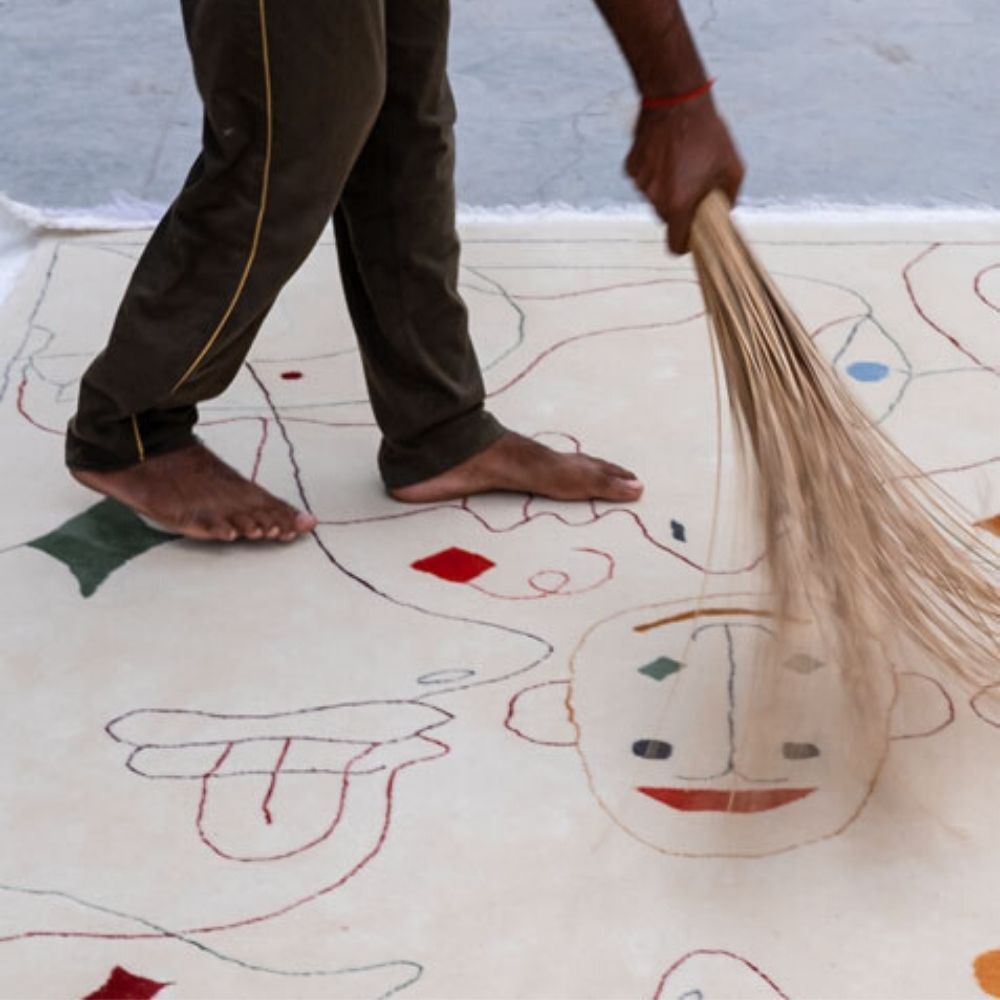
pixel 663 698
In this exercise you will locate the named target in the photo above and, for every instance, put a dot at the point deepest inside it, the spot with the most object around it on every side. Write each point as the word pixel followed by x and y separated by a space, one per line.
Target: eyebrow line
pixel 684 616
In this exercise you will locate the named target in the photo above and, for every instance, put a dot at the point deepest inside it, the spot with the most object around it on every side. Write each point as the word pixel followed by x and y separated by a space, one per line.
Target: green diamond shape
pixel 661 668
pixel 97 542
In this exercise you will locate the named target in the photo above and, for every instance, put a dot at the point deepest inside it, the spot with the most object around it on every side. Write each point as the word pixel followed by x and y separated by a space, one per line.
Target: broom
pixel 857 540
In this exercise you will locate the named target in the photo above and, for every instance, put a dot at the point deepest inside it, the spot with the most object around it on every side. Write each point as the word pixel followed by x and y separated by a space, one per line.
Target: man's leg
pixel 399 256
pixel 291 91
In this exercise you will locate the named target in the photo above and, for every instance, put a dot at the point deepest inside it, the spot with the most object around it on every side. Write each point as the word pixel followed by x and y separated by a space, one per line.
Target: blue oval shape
pixel 868 371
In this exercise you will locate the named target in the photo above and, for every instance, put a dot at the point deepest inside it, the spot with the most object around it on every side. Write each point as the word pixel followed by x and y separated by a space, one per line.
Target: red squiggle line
pixel 941 726
pixel 586 336
pixel 263 918
pixel 727 954
pixel 559 591
pixel 22 409
pixel 911 291
pixel 266 804
pixel 264 424
pixel 640 524
pixel 329 423
pixel 219 421
pixel 325 835
pixel 989 695
pixel 619 286
pixel 977 286
pixel 508 722
pixel 527 518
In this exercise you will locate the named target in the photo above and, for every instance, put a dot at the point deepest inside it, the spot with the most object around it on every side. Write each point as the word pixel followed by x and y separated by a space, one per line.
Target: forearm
pixel 657 43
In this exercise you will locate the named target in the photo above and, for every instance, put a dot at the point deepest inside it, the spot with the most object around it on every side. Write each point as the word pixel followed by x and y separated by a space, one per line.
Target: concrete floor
pixel 882 101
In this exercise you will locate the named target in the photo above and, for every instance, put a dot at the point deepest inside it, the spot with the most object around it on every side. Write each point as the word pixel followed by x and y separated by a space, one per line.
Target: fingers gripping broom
pixel 857 539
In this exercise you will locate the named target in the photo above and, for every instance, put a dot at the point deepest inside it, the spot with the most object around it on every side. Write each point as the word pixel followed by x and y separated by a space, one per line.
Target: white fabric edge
pixel 22 225
pixel 125 212
pixel 807 213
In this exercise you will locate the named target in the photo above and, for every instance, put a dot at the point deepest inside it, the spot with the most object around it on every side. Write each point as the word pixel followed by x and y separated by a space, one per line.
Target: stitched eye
pixel 652 749
pixel 803 663
pixel 661 668
pixel 799 751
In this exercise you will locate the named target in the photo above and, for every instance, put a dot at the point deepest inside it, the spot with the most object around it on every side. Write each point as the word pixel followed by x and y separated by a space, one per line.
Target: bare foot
pixel 518 464
pixel 194 493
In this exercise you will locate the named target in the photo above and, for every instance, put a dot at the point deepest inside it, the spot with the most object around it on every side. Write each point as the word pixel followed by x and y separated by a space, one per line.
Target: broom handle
pixel 712 211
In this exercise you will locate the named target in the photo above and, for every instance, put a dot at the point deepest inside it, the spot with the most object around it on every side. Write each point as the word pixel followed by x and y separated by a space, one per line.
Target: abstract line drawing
pixel 655 704
pixel 716 974
pixel 304 801
pixel 411 971
pixel 247 767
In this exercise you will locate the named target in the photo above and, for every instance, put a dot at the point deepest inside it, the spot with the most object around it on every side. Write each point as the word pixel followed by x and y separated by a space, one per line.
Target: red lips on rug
pixel 726 800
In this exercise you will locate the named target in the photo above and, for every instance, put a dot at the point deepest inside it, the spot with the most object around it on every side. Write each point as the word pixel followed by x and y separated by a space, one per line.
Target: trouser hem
pixel 439 450
pixel 82 457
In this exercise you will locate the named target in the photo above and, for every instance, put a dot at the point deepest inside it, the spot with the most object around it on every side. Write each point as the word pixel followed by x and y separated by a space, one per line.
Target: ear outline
pixel 557 689
pixel 991 692
pixel 904 684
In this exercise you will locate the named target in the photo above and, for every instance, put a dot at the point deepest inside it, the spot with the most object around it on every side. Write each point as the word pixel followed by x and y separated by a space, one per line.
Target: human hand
pixel 678 156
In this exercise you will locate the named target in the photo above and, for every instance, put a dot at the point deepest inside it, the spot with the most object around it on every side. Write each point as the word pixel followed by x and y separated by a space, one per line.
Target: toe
pixel 623 489
pixel 616 482
pixel 304 522
pixel 204 526
pixel 610 469
pixel 246 525
pixel 213 526
pixel 281 522
pixel 269 522
pixel 299 524
pixel 225 531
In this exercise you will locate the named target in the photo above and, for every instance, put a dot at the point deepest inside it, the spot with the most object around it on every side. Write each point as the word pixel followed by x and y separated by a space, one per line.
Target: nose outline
pixel 730 708
pixel 730 767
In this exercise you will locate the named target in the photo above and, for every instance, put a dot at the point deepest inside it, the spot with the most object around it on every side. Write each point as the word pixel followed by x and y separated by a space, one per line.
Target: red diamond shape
pixel 455 565
pixel 123 985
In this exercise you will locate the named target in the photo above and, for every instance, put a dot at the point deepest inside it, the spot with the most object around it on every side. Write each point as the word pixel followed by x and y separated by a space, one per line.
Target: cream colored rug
pixel 425 752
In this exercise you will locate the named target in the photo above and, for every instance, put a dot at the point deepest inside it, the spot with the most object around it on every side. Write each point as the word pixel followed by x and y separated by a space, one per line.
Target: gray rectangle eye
pixel 803 663
pixel 799 751
pixel 652 749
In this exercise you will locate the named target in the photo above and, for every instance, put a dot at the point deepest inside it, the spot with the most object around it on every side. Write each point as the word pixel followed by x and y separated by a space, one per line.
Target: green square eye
pixel 661 668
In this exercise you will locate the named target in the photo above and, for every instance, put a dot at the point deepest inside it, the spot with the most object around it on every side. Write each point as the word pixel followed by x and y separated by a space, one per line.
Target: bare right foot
pixel 192 492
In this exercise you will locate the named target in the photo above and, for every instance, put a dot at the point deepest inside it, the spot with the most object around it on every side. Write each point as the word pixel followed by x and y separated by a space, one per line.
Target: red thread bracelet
pixel 650 103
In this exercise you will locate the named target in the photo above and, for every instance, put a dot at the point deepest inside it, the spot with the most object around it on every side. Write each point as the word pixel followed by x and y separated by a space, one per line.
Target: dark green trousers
pixel 312 108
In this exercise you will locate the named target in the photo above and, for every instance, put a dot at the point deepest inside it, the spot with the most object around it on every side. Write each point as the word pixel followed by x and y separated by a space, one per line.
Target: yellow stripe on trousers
pixel 140 449
pixel 265 183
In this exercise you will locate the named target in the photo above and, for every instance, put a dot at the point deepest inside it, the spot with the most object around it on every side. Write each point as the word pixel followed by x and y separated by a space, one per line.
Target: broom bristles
pixel 856 537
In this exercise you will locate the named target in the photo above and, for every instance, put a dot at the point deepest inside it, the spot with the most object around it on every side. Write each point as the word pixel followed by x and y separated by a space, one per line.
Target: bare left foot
pixel 519 465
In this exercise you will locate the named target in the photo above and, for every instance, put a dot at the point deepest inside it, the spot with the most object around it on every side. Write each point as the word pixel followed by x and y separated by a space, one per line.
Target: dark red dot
pixel 291 376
